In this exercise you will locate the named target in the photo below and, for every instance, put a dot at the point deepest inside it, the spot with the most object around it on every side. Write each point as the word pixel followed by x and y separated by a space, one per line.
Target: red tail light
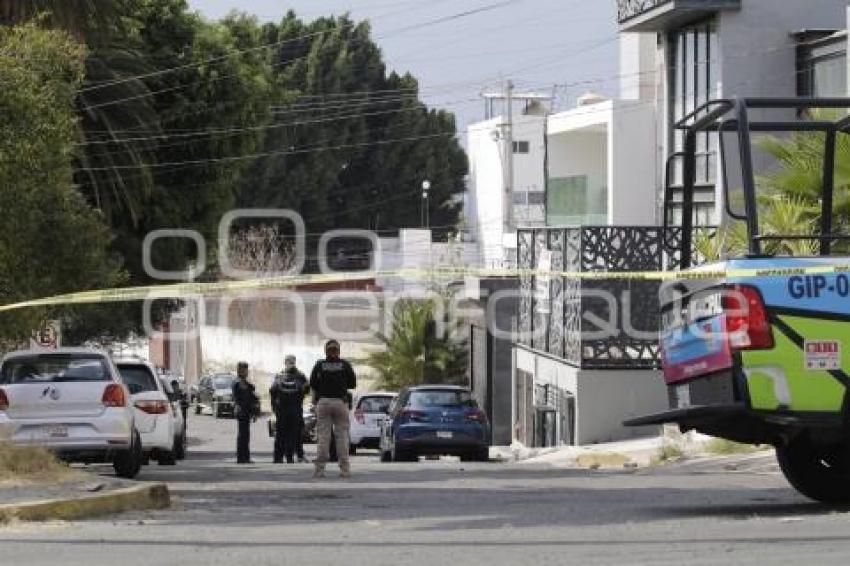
pixel 747 323
pixel 359 417
pixel 113 396
pixel 414 415
pixel 152 407
pixel 477 415
pixel 4 401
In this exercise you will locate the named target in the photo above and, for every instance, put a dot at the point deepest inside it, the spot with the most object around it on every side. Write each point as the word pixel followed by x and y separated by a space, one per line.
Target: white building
pixel 491 214
pixel 611 156
pixel 592 165
pixel 679 54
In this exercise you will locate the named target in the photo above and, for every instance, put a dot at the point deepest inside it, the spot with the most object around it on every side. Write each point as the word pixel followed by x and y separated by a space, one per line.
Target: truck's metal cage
pixel 724 115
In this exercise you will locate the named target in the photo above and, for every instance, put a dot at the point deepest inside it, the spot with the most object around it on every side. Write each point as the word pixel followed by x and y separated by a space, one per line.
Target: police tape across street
pixel 193 289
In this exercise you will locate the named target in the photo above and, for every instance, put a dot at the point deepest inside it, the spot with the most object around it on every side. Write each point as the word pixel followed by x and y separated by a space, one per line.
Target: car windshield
pixel 138 378
pixel 375 404
pixel 440 398
pixel 223 382
pixel 53 368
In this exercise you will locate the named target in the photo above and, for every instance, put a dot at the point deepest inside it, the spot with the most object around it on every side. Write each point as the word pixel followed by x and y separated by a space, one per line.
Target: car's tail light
pixel 113 396
pixel 747 323
pixel 359 417
pixel 152 407
pixel 4 401
pixel 477 415
pixel 414 415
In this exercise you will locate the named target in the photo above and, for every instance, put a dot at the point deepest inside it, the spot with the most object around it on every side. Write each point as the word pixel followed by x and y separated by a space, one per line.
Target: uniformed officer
pixel 330 380
pixel 246 403
pixel 287 396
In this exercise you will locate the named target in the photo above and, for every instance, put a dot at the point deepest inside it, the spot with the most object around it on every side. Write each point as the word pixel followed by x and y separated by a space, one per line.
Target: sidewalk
pixel 635 453
pixel 86 497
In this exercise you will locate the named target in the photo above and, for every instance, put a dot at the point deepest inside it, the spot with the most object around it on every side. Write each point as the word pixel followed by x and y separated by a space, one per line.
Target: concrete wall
pixel 632 172
pixel 486 211
pixel 757 50
pixel 603 398
pixel 607 397
pixel 486 186
pixel 637 63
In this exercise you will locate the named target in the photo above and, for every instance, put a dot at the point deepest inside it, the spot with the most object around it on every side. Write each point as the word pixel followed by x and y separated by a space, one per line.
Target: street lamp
pixel 426 186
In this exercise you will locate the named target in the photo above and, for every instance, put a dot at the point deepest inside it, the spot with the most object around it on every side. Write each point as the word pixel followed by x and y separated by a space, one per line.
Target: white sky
pixel 536 43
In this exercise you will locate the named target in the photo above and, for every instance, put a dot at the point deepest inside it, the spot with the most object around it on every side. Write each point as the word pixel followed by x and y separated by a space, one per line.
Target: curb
pixel 136 498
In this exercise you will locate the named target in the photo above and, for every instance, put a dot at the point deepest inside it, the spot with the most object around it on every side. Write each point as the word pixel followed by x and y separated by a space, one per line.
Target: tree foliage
pixel 414 353
pixel 51 241
pixel 335 154
pixel 180 119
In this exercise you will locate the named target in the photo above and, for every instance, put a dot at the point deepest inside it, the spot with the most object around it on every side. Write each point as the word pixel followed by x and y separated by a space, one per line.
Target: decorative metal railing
pixel 598 323
pixel 628 9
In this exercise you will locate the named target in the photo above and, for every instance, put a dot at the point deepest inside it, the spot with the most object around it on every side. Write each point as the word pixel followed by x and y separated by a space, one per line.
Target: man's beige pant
pixel 332 416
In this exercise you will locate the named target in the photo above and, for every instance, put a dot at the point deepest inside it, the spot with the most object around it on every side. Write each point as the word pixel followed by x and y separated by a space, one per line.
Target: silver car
pixel 73 402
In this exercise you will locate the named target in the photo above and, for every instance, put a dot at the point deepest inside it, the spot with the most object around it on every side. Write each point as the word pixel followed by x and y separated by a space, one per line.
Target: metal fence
pixel 599 323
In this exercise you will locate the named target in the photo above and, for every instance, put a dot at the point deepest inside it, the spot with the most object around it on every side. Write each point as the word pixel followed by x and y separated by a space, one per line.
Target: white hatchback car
pixel 156 420
pixel 368 410
pixel 73 402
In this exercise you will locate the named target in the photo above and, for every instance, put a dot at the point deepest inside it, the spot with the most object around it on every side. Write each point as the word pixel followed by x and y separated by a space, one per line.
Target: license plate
pixel 444 434
pixel 56 431
pixel 683 396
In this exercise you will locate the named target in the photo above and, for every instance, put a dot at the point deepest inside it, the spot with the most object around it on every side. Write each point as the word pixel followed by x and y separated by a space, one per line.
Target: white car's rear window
pixel 54 368
pixel 137 378
pixel 374 404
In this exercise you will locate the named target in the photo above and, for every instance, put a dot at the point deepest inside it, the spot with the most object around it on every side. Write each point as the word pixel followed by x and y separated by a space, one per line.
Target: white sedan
pixel 73 402
pixel 156 418
pixel 368 410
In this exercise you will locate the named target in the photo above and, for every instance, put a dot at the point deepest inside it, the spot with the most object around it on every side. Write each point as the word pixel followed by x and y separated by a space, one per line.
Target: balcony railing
pixel 594 323
pixel 628 9
pixel 660 15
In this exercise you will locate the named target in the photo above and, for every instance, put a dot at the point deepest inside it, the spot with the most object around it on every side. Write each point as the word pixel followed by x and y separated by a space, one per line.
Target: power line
pixel 160 72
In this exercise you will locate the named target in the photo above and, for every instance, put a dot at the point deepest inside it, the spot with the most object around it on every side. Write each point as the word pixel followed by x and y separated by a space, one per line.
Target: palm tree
pixel 800 159
pixel 414 354
pixel 778 215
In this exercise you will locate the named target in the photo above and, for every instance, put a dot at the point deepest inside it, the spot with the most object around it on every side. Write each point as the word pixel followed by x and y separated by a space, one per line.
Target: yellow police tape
pixel 184 290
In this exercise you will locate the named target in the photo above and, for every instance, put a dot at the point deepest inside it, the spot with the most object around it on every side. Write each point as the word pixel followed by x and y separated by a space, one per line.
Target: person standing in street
pixel 246 404
pixel 287 396
pixel 330 380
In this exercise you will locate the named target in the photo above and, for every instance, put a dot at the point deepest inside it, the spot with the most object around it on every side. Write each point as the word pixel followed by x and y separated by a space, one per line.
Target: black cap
pixel 242 365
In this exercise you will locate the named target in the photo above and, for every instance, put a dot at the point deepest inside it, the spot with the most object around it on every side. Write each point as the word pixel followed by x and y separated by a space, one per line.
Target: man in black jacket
pixel 245 402
pixel 287 396
pixel 330 380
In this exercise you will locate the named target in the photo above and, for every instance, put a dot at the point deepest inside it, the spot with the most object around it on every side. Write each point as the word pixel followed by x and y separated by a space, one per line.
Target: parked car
pixel 177 398
pixel 309 434
pixel 73 402
pixel 156 420
pixel 369 409
pixel 216 392
pixel 435 420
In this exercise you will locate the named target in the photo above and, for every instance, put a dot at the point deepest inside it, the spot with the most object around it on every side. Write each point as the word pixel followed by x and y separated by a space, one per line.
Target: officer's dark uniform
pixel 244 399
pixel 287 396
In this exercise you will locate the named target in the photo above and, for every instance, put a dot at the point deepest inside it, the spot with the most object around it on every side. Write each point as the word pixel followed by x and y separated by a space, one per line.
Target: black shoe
pixel 290 461
pixel 277 461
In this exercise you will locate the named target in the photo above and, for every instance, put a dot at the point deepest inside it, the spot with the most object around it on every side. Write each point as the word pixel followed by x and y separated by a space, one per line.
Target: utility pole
pixel 509 157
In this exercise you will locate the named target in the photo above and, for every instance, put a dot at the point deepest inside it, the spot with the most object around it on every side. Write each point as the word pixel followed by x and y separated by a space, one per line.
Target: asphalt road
pixel 729 511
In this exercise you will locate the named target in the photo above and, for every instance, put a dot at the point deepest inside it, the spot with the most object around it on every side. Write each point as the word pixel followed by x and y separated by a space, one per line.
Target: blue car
pixel 435 420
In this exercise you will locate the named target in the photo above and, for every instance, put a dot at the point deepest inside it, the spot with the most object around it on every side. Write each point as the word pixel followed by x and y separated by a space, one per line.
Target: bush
pixel 668 451
pixel 30 463
pixel 722 447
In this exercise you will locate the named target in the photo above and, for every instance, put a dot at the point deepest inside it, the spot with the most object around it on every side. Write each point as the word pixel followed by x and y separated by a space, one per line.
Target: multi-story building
pixel 692 51
pixel 573 383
